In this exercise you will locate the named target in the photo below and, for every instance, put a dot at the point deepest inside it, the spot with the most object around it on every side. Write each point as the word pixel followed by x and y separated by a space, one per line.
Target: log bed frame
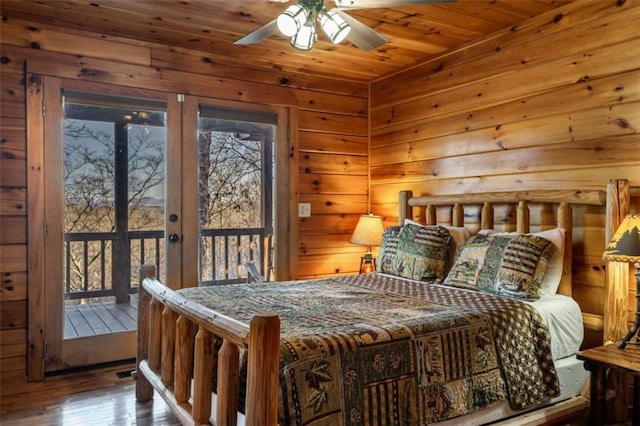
pixel 175 336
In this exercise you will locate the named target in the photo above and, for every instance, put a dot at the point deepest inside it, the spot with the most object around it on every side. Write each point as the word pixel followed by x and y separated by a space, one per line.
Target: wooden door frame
pixel 285 185
pixel 47 348
pixel 40 219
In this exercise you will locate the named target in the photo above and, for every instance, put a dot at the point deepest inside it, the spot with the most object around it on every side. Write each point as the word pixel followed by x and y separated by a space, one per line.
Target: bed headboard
pixel 561 202
pixel 487 211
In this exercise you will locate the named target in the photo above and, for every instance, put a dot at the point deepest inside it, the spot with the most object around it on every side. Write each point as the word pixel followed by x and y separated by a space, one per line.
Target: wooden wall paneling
pixel 333 123
pixel 609 90
pixel 12 94
pixel 606 121
pixel 13 229
pixel 336 203
pixel 614 151
pixel 312 183
pixel 502 88
pixel 133 75
pixel 590 178
pixel 311 141
pixel 208 64
pixel 332 164
pixel 13 286
pixel 13 258
pixel 549 23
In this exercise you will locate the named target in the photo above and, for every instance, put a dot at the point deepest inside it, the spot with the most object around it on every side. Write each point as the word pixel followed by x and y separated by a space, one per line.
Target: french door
pixel 130 178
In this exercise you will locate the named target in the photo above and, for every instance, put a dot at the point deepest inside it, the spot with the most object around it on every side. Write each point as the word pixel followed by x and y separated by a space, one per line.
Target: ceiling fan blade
pixel 361 35
pixel 372 4
pixel 260 34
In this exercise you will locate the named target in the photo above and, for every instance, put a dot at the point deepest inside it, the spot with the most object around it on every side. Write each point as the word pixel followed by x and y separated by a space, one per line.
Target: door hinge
pixel 44 108
pixel 45 229
pixel 180 97
pixel 288 133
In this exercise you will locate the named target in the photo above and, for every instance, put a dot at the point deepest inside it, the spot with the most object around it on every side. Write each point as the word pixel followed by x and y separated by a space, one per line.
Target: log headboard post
pixel 405 211
pixel 616 273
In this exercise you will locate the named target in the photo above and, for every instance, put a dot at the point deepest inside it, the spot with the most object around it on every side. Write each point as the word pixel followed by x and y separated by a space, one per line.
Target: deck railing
pixel 91 272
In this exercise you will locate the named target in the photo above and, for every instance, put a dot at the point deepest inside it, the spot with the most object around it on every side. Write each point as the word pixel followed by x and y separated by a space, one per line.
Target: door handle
pixel 173 238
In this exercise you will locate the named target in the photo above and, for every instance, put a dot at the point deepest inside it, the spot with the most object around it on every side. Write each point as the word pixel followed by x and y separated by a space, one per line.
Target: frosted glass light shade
pixel 333 25
pixel 292 20
pixel 305 38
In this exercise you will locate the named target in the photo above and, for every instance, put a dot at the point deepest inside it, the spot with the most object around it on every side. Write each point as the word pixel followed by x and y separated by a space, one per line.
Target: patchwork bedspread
pixel 377 350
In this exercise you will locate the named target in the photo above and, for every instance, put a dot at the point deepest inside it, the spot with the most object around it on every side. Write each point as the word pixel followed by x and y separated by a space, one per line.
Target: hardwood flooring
pixel 98 397
pixel 93 397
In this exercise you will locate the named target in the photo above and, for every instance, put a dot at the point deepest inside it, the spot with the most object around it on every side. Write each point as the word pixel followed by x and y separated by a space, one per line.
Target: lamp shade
pixel 625 244
pixel 368 231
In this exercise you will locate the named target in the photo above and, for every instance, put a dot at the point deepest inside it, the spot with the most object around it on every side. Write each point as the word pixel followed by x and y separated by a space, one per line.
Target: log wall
pixel 330 125
pixel 552 103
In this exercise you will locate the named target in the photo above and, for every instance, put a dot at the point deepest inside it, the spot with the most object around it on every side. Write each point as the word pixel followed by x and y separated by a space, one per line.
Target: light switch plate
pixel 304 209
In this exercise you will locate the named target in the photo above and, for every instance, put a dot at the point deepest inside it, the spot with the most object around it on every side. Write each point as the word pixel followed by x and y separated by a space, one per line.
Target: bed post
pixel 565 221
pixel 405 211
pixel 144 390
pixel 616 273
pixel 616 290
pixel 263 367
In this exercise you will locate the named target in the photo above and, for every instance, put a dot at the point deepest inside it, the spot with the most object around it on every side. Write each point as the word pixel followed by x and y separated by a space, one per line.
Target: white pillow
pixel 553 275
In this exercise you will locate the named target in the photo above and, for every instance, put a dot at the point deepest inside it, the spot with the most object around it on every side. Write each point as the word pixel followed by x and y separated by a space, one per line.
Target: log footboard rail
pixel 176 358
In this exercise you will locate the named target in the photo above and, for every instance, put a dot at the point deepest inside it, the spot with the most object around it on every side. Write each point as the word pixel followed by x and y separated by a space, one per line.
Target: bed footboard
pixel 176 358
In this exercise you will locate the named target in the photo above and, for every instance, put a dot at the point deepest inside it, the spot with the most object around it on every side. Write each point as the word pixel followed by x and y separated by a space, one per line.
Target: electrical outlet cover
pixel 304 209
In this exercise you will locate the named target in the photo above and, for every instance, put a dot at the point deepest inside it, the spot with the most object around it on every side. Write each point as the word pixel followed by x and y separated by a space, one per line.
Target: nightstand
pixel 597 361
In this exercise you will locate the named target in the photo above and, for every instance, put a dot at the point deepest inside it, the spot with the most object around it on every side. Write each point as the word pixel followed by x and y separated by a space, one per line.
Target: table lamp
pixel 625 247
pixel 368 232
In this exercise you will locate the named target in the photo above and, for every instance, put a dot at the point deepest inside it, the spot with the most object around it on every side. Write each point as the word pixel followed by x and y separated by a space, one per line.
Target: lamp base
pixel 367 263
pixel 636 324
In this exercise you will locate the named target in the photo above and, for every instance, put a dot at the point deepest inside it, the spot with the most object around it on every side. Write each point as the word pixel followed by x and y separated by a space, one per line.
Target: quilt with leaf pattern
pixel 379 350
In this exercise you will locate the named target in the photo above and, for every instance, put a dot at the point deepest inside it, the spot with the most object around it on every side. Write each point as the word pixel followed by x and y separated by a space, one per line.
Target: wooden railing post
pixel 263 368
pixel 144 390
pixel 565 221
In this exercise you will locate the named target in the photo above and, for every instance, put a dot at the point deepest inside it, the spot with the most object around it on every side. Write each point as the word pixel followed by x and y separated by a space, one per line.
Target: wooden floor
pixel 96 318
pixel 96 397
pixel 99 397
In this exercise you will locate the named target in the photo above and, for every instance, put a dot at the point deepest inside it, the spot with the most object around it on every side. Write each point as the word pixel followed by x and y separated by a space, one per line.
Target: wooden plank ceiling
pixel 211 26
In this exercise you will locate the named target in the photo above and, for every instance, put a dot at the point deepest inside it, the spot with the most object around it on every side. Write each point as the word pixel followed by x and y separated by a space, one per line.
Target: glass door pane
pixel 235 174
pixel 114 178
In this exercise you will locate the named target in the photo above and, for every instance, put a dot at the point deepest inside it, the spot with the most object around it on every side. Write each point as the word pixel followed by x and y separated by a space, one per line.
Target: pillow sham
pixel 505 264
pixel 414 251
pixel 553 275
pixel 459 236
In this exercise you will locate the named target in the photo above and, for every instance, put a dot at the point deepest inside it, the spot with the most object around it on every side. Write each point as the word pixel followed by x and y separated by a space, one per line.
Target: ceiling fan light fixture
pixel 333 25
pixel 292 20
pixel 305 37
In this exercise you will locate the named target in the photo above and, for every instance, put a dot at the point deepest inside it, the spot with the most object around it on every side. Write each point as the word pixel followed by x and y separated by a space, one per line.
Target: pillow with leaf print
pixel 414 251
pixel 505 264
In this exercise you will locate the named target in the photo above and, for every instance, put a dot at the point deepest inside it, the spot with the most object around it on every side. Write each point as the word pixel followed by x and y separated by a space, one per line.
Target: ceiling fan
pixel 298 22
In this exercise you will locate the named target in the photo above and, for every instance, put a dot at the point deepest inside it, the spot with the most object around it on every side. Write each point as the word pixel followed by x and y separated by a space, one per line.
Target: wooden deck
pixel 93 319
